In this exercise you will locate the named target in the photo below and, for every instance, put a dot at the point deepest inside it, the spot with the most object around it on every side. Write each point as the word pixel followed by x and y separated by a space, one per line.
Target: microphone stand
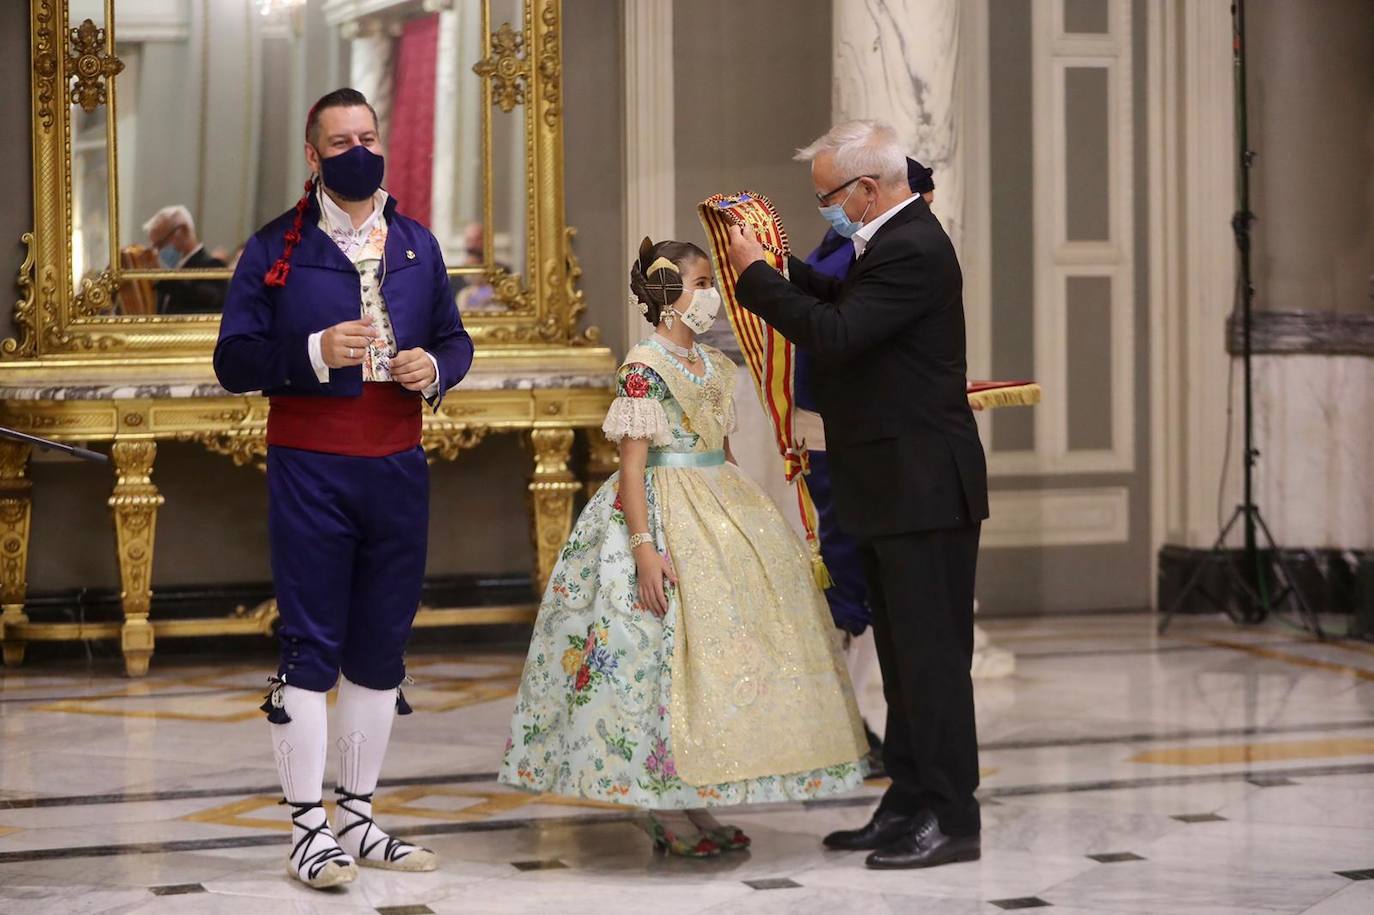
pixel 1257 590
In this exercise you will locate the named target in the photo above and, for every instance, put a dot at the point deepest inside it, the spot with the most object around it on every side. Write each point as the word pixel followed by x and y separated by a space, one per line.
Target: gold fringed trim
pixel 1022 395
pixel 820 572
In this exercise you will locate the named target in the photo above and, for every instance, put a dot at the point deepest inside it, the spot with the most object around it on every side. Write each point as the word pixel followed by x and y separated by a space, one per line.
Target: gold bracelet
pixel 637 540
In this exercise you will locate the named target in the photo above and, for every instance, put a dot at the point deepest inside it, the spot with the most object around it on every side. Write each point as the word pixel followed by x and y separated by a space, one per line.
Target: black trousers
pixel 921 592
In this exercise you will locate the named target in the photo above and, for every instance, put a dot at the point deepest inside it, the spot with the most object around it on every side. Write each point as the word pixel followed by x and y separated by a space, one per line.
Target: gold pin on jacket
pixel 410 255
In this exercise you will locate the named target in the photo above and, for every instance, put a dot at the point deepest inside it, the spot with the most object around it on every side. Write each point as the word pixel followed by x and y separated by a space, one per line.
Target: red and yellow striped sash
pixel 768 355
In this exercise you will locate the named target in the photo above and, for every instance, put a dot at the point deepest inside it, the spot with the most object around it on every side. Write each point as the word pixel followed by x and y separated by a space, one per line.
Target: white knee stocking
pixel 299 746
pixel 364 717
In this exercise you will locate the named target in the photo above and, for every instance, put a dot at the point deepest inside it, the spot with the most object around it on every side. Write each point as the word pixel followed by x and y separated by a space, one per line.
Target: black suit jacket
pixel 193 296
pixel 890 374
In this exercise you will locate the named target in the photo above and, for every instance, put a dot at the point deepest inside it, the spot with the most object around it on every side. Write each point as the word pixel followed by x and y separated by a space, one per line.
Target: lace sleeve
pixel 637 411
pixel 637 417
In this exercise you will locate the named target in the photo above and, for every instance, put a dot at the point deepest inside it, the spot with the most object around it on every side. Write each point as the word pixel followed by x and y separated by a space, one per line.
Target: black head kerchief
pixel 918 177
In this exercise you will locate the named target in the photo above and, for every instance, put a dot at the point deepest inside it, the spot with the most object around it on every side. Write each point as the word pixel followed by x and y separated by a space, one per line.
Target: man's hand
pixel 346 343
pixel 744 249
pixel 413 369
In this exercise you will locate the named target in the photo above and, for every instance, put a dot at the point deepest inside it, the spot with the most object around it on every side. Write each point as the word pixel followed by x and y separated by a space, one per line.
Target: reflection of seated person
pixel 229 257
pixel 473 291
pixel 172 233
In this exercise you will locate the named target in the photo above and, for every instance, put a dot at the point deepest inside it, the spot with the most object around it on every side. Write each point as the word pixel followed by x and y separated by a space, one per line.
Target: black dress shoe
pixel 884 829
pixel 925 845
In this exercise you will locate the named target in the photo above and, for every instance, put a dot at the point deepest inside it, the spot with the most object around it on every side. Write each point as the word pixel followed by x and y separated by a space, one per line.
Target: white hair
pixel 862 147
pixel 173 217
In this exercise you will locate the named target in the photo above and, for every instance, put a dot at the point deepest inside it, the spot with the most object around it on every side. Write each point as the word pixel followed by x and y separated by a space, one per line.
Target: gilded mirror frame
pixel 57 321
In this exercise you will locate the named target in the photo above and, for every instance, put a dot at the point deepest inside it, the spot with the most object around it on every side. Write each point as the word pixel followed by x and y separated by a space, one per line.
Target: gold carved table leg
pixel 135 503
pixel 16 508
pixel 603 460
pixel 551 496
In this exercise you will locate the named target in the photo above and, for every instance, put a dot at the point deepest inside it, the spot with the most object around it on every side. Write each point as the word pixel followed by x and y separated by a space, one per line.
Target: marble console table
pixel 546 396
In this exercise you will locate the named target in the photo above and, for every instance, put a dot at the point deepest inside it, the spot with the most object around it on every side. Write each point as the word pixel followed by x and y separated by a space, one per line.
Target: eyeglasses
pixel 822 198
pixel 158 245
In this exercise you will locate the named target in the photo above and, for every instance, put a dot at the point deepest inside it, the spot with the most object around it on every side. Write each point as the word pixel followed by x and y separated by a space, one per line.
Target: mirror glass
pixel 208 137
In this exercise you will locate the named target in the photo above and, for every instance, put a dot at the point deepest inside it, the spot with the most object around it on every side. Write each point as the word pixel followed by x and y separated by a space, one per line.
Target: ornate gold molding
pixel 551 65
pixel 263 617
pixel 25 341
pixel 576 298
pixel 445 441
pixel 16 510
pixel 511 289
pixel 135 503
pixel 96 296
pixel 244 447
pixel 46 68
pixel 551 492
pixel 91 66
pixel 507 67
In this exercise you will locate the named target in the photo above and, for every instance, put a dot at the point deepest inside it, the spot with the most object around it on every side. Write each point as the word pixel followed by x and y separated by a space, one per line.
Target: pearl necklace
pixel 685 352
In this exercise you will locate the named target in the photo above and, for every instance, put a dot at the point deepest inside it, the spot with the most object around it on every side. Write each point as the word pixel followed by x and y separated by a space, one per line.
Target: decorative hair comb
pixel 663 264
pixel 662 276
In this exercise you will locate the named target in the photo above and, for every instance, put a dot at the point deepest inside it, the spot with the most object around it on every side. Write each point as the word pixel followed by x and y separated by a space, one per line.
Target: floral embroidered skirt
pixel 593 714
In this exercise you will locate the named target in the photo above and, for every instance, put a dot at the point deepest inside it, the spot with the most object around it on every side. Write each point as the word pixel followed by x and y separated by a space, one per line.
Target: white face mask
pixel 702 311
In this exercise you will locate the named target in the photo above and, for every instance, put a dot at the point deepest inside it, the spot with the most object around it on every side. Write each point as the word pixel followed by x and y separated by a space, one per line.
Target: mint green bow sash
pixel 686 458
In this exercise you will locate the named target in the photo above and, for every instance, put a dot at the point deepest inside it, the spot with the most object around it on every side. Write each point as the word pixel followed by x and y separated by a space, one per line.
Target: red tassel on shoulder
pixel 276 274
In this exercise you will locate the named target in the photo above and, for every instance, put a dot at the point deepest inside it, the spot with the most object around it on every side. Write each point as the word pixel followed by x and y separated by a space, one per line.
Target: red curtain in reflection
pixel 410 148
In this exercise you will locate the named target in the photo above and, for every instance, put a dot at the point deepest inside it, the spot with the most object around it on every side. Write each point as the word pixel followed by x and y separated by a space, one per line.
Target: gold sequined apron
pixel 758 686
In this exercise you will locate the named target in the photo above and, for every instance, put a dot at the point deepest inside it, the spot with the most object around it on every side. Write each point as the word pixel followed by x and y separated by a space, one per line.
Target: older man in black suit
pixel 908 472
pixel 172 234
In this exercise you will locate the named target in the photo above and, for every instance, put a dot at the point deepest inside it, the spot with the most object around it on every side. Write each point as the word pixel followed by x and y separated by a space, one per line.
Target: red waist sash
pixel 384 420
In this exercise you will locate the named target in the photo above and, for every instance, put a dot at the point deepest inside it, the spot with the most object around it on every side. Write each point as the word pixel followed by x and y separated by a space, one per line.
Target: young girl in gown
pixel 682 658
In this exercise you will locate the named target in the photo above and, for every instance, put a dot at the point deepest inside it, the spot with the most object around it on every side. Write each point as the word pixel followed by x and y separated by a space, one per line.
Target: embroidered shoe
pixel 667 841
pixel 729 838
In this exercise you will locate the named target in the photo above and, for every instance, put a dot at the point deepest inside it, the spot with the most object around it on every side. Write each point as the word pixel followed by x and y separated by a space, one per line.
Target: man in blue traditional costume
pixel 340 312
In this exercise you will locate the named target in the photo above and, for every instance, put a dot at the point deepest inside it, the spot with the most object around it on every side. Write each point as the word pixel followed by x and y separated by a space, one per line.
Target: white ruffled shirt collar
pixel 338 223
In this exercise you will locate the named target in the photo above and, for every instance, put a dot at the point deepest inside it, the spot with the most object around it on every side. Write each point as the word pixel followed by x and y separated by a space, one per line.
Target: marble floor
pixel 1213 770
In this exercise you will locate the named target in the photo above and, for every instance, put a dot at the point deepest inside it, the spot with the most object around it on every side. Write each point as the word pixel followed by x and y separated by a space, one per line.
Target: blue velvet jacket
pixel 264 332
pixel 833 257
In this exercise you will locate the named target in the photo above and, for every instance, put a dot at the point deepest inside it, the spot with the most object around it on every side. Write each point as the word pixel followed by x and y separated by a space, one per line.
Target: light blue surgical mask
pixel 839 220
pixel 169 256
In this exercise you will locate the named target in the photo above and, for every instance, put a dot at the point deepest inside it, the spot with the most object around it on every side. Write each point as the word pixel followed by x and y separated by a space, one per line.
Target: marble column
pixel 456 197
pixel 650 154
pixel 899 61
pixel 1316 446
pixel 370 69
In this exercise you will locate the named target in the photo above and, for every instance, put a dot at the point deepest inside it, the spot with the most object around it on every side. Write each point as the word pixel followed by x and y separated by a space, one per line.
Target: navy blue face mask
pixel 353 175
